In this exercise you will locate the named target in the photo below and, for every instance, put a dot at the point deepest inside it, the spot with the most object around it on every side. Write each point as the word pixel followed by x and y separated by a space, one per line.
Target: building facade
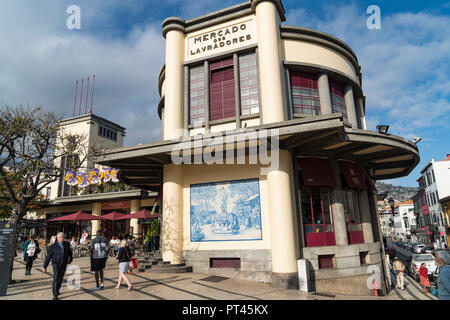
pixel 98 133
pixel 434 186
pixel 404 220
pixel 237 82
pixel 443 185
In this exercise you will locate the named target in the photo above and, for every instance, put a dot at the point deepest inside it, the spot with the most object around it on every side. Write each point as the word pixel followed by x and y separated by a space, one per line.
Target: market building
pixel 237 82
pixel 61 198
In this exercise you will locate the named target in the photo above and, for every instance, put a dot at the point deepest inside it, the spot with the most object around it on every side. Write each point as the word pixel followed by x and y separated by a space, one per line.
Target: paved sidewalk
pixel 153 286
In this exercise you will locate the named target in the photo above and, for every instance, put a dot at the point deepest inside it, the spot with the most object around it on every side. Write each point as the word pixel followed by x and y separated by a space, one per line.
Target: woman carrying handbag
pixel 124 264
pixel 424 280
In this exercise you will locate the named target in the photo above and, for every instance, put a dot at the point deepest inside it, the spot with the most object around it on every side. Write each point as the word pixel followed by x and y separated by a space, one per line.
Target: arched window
pixel 338 98
pixel 304 93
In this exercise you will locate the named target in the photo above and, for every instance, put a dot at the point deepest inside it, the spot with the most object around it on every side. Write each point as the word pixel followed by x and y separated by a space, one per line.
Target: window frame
pixel 318 236
pixel 354 236
pixel 237 93
pixel 306 77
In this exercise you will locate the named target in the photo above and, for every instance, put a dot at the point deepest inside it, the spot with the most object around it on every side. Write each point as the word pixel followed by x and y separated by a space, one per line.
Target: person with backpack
pixel 399 269
pixel 30 252
pixel 99 248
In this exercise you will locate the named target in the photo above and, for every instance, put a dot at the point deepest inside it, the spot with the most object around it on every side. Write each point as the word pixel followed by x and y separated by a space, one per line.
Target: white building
pixel 403 220
pixel 437 186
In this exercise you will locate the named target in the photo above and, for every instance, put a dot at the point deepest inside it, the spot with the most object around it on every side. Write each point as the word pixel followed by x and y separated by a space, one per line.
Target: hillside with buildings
pixel 399 193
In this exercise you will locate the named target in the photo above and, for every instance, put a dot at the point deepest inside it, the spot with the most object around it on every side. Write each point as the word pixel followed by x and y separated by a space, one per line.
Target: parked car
pixel 419 248
pixel 417 260
pixel 429 250
pixel 412 246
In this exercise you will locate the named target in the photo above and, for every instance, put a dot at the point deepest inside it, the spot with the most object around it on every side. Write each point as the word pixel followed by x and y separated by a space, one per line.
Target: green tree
pixel 32 146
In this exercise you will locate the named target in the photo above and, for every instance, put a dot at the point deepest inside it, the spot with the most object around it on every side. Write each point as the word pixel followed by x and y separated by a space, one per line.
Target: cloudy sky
pixel 405 65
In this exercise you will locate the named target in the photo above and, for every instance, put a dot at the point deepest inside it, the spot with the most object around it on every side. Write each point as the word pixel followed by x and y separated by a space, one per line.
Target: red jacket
pixel 423 271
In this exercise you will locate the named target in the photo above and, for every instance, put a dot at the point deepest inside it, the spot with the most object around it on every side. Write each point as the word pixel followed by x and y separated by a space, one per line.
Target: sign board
pixel 221 38
pixel 6 254
pixel 116 205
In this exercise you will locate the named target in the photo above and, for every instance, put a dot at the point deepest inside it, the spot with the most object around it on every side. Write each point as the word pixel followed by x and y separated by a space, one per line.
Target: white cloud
pixel 405 65
pixel 41 60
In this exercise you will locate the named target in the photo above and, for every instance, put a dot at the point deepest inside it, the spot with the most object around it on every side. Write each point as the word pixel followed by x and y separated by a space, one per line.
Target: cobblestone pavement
pixel 153 286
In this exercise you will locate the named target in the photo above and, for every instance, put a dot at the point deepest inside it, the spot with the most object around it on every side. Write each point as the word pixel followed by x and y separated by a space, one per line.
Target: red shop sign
pixel 116 205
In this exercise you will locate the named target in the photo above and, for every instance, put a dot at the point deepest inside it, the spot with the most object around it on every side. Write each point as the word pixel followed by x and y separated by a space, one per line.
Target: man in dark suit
pixel 61 255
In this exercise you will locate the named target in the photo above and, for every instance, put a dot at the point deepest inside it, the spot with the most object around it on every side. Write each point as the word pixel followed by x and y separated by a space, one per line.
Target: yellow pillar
pixel 172 214
pixel 174 82
pixel 282 223
pixel 271 74
pixel 135 206
pixel 96 224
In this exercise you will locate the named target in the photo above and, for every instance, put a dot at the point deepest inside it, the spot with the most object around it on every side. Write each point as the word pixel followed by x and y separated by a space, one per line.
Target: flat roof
pixel 90 116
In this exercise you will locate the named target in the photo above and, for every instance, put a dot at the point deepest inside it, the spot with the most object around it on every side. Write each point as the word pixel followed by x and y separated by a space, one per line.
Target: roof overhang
pixel 317 136
pixel 103 197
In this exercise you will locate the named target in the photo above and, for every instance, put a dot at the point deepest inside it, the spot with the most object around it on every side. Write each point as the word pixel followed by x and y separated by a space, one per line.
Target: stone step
pixel 182 269
pixel 168 265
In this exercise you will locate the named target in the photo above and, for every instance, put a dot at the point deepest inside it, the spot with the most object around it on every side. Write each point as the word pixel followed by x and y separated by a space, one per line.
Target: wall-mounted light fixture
pixel 383 128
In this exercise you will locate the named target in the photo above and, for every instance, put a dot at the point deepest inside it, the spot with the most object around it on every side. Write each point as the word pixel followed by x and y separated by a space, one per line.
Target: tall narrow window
pixel 317 220
pixel 338 98
pixel 197 85
pixel 222 104
pixel 305 93
pixel 249 84
pixel 353 217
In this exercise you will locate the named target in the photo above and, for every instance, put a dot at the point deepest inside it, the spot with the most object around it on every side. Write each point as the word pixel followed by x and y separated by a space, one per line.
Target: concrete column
pixel 365 212
pixel 172 222
pixel 96 224
pixel 363 115
pixel 337 199
pixel 282 223
pixel 271 75
pixel 135 206
pixel 350 106
pixel 324 94
pixel 174 83
pixel 237 91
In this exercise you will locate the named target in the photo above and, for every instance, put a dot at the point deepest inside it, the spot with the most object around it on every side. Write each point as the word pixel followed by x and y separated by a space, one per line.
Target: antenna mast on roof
pixel 92 95
pixel 87 95
pixel 81 98
pixel 75 102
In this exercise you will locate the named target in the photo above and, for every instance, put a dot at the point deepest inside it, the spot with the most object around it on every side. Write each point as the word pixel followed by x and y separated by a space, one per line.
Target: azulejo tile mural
pixel 226 211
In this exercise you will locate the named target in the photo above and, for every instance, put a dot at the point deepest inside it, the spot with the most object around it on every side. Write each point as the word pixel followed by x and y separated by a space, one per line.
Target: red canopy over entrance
pixel 316 172
pixel 352 175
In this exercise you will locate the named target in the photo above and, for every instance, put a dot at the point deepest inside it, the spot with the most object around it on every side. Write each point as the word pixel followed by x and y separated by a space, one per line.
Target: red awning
pixel 142 214
pixel 78 216
pixel 316 172
pixel 352 175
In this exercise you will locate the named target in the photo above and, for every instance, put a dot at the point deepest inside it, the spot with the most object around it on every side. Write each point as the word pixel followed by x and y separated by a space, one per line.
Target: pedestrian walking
pixel 442 259
pixel 30 252
pixel 399 270
pixel 423 276
pixel 61 255
pixel 43 247
pixel 124 263
pixel 84 237
pixel 99 254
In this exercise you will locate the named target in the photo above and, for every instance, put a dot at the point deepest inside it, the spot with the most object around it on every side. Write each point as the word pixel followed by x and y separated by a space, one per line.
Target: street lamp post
pixel 391 202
